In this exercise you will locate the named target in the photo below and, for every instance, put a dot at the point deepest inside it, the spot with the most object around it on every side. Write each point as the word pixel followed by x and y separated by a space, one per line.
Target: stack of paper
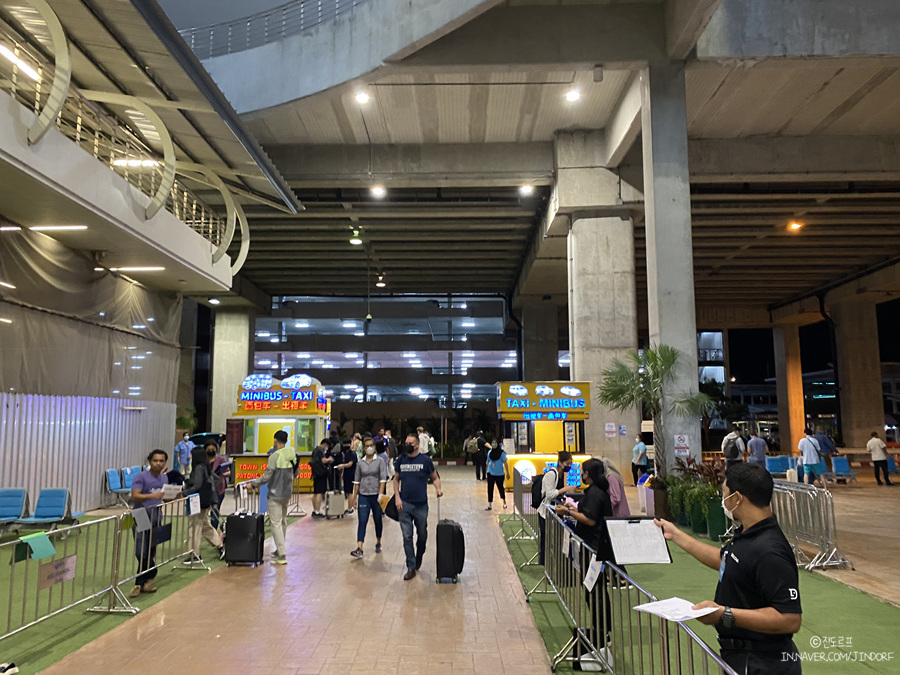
pixel 674 609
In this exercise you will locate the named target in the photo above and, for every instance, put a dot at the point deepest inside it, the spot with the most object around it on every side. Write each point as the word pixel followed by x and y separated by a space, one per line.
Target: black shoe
pixel 410 574
pixel 419 561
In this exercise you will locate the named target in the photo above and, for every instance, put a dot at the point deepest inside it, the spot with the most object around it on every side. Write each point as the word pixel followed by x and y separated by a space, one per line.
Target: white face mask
pixel 186 437
pixel 370 450
pixel 728 512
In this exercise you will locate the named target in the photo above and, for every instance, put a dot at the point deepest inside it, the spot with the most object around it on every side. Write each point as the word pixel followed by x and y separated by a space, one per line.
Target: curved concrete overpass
pixel 337 52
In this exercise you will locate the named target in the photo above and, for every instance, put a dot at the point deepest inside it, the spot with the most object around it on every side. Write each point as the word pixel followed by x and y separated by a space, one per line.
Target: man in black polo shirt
pixel 757 599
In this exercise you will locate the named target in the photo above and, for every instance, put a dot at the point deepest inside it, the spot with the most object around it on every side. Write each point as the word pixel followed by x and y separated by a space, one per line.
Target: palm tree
pixel 641 381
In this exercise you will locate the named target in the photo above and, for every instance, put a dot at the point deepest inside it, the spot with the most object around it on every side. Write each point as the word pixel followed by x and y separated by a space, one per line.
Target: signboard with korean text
pixel 544 401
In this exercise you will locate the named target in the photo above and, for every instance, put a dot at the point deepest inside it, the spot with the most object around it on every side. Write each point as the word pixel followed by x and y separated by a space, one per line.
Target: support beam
pixel 789 387
pixel 685 22
pixel 541 341
pixel 232 360
pixel 624 125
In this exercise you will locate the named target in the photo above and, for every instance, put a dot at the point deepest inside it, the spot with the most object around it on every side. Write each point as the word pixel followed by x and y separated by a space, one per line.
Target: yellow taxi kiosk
pixel 542 418
pixel 296 405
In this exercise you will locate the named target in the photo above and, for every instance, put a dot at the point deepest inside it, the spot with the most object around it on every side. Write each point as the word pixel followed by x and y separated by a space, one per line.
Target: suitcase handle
pixel 439 508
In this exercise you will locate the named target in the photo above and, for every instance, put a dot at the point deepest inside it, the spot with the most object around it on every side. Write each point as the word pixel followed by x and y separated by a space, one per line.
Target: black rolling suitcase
pixel 451 549
pixel 245 534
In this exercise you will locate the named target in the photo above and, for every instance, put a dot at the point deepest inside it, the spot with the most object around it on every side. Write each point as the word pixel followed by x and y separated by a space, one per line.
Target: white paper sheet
pixel 141 520
pixel 637 541
pixel 593 573
pixel 171 492
pixel 674 609
pixel 566 542
pixel 194 505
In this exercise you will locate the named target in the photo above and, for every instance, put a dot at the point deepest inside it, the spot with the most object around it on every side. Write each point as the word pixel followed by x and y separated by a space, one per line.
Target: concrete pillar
pixel 667 213
pixel 789 387
pixel 603 322
pixel 540 348
pixel 859 367
pixel 232 361
pixel 187 338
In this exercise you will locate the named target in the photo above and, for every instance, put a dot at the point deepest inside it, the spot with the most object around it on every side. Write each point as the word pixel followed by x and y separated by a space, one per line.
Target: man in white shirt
pixel 733 447
pixel 553 484
pixel 813 466
pixel 877 448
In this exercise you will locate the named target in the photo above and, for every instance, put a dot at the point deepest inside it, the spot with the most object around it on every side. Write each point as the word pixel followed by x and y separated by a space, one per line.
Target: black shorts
pixel 320 485
pixel 348 486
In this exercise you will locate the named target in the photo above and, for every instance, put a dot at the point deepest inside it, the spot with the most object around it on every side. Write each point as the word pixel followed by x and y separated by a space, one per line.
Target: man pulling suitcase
pixel 413 469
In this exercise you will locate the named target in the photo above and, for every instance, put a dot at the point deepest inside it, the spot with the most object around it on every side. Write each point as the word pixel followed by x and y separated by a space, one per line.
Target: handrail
pixel 262 28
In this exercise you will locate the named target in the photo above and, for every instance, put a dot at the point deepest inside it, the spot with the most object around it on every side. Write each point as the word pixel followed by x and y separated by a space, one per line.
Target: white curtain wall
pixel 70 441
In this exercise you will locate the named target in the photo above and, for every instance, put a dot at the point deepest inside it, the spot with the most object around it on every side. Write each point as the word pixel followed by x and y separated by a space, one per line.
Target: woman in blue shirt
pixel 497 469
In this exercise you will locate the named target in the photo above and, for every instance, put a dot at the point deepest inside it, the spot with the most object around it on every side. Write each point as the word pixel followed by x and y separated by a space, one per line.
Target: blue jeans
pixel 368 503
pixel 418 514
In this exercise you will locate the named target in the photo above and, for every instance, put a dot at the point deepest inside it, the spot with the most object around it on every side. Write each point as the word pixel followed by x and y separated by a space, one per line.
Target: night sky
pixel 752 352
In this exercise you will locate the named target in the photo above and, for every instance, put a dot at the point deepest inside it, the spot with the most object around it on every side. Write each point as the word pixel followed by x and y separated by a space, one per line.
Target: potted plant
pixel 713 474
pixel 696 501
pixel 676 489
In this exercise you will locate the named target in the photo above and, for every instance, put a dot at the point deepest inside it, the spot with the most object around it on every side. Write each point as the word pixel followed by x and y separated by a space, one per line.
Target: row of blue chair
pixel 53 508
pixel 119 484
pixel 840 465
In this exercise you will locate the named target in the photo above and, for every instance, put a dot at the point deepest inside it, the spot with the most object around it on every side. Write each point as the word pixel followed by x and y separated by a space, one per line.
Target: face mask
pixel 410 448
pixel 370 449
pixel 728 512
pixel 186 437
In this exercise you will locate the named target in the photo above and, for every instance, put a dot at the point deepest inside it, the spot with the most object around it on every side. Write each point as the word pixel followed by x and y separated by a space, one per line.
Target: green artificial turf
pixel 844 630
pixel 51 640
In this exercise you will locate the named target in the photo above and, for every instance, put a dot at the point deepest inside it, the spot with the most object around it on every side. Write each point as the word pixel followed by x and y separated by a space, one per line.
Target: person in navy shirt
pixel 412 471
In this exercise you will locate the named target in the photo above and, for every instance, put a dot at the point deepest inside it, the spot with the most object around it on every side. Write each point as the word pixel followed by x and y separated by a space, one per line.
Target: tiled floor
pixel 326 613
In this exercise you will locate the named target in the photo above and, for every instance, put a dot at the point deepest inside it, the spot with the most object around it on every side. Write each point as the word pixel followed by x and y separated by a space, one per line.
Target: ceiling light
pixel 117 363
pixel 409 355
pixel 469 385
pixel 423 396
pixel 415 390
pixel 464 338
pixel 526 190
pixel 468 353
pixel 378 191
pixel 115 391
pixel 150 319
pixel 573 95
pixel 360 390
pixel 318 362
pixel 274 339
pixel 301 324
pixel 9 228
pixel 355 240
pixel 329 392
pixel 263 334
pixel 350 386
pixel 3 283
pixel 328 365
pixel 139 357
pixel 351 355
pixel 135 163
pixel 24 67
pixel 361 362
pixel 345 396
pixel 733 379
pixel 130 269
pixel 380 283
pixel 3 319
pixel 214 301
pixel 137 367
pixel 795 226
pixel 513 355
pixel 55 228
pixel 359 334
pixel 265 362
pixel 468 324
pixel 303 356
pixel 349 324
pixel 139 326
pixel 362 97
pixel 274 365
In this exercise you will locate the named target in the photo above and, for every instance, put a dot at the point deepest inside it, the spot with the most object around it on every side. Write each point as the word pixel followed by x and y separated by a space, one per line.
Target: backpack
pixel 472 446
pixel 731 450
pixel 537 490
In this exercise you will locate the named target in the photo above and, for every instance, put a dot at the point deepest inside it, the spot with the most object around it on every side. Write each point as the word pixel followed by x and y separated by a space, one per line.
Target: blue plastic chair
pixel 892 465
pixel 13 505
pixel 841 466
pixel 54 507
pixel 115 487
pixel 128 475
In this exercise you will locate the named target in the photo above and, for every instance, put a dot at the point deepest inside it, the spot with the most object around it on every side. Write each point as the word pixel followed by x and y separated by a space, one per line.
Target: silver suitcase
pixel 334 504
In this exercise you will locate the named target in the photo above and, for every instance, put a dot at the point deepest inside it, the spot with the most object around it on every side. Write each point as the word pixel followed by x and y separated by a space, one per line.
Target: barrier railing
pixel 805 514
pixel 91 561
pixel 246 497
pixel 27 80
pixel 607 630
pixel 260 29
pixel 527 530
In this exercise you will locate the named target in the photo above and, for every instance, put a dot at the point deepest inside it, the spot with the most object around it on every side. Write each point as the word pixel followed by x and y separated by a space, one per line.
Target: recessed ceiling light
pixel 56 228
pixel 349 324
pixel 361 362
pixel 526 190
pixel 362 97
pixel 274 339
pixel 795 226
pixel 20 64
pixel 132 269
pixel 328 365
pixel 303 356
pixel 359 334
pixel 468 324
pixel 263 334
pixel 139 326
pixel 573 95
pixel 265 362
pixel 380 283
pixel 318 362
pixel 7 285
pixel 351 355
pixel 214 301
pixel 9 228
pixel 301 324
pixel 378 191
pixel 409 355
pixel 3 319
pixel 350 386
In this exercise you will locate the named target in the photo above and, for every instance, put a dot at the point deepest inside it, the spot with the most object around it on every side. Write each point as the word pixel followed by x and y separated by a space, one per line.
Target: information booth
pixel 540 419
pixel 296 405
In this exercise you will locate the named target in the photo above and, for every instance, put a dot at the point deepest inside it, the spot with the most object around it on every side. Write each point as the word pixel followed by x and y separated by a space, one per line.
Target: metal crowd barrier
pixel 805 514
pixel 246 499
pixel 91 561
pixel 607 630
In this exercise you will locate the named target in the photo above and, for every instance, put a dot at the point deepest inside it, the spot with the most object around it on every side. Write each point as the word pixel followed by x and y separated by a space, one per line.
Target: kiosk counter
pixel 296 405
pixel 531 465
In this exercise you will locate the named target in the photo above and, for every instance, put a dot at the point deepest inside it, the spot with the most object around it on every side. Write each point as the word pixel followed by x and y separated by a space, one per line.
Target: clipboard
pixel 637 541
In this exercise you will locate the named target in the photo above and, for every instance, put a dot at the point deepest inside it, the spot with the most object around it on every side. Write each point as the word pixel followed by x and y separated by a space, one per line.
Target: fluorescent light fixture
pixel 362 97
pixel 573 95
pixel 423 396
pixel 513 355
pixel 468 353
pixel 409 355
pixel 24 67
pixel 468 324
pixel 214 301
pixel 275 339
pixel 134 387
pixel 303 356
pixel 263 334
pixel 9 228
pixel 149 353
pixel 349 324
pixel 150 319
pixel 360 390
pixel 465 338
pixel 3 319
pixel 274 365
pixel 137 367
pixel 328 365
pixel 526 190
pixel 301 324
pixel 464 306
pixel 135 163
pixel 359 334
pixel 345 396
pixel 378 191
pixel 350 386
pixel 139 357
pixel 318 362
pixel 115 391
pixel 139 326
pixel 469 385
pixel 130 347
pixel 117 363
pixel 3 283
pixel 360 362
pixel 415 390
pixel 351 355
pixel 371 365
pixel 264 362
pixel 134 393
pixel 57 228
pixel 130 269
